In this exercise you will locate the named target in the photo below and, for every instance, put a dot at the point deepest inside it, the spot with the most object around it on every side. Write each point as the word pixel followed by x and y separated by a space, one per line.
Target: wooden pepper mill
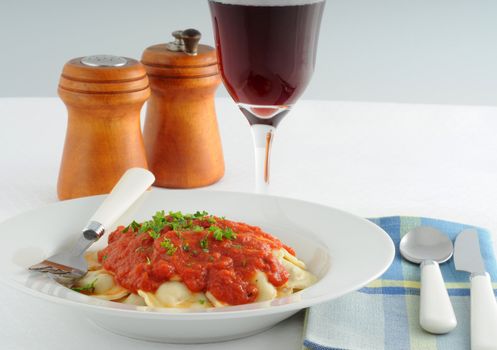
pixel 104 95
pixel 181 133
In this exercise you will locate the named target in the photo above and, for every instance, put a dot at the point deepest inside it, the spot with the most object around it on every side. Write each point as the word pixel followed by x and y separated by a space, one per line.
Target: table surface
pixel 371 159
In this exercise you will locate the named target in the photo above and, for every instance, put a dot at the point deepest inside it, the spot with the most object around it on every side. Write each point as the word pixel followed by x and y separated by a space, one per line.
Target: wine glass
pixel 266 54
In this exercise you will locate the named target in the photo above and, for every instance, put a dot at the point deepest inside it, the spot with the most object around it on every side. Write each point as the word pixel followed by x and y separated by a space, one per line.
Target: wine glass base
pixel 264 115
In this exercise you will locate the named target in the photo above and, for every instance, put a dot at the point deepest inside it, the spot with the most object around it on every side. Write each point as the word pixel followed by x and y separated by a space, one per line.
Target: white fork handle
pixel 436 314
pixel 483 314
pixel 128 189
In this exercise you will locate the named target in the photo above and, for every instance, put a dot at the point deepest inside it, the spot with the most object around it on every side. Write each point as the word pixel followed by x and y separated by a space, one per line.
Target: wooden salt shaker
pixel 104 95
pixel 181 133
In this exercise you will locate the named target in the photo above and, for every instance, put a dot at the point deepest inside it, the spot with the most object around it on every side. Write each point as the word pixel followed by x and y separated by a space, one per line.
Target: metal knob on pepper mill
pixel 103 95
pixel 181 133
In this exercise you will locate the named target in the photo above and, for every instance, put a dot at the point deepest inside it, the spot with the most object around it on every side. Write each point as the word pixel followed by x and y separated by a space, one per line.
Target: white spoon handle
pixel 128 189
pixel 483 314
pixel 436 314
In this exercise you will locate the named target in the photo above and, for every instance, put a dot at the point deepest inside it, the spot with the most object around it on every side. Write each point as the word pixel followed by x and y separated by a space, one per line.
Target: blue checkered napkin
pixel 385 314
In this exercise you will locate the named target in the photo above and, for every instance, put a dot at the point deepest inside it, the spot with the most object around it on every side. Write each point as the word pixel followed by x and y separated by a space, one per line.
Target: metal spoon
pixel 429 247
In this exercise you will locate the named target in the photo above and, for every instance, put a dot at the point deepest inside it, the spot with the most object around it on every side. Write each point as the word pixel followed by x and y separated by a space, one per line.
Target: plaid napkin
pixel 385 314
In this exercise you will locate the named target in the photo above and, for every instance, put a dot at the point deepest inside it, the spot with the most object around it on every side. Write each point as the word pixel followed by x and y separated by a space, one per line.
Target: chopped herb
pixel 201 301
pixel 104 257
pixel 200 214
pixel 89 287
pixel 176 226
pixel 149 262
pixel 228 233
pixel 197 228
pixel 204 244
pixel 135 226
pixel 219 233
pixel 169 246
pixel 186 247
pixel 177 216
pixel 211 220
pixel 154 226
pixel 154 234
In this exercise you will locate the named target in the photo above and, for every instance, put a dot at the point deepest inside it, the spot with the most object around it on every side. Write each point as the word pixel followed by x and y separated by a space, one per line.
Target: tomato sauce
pixel 225 267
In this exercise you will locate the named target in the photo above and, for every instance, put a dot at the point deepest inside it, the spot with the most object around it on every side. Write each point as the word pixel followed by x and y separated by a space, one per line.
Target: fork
pixel 68 266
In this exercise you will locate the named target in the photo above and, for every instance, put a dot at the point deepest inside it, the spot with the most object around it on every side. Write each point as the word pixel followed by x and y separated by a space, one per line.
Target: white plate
pixel 344 251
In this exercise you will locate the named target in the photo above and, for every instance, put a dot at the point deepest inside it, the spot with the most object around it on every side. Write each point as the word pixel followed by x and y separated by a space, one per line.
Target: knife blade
pixel 467 257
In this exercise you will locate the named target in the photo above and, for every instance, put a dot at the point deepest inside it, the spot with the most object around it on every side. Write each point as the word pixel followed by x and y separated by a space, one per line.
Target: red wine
pixel 266 53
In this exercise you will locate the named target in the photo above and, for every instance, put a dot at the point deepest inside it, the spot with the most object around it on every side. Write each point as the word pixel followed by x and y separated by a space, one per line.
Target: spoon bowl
pixel 426 243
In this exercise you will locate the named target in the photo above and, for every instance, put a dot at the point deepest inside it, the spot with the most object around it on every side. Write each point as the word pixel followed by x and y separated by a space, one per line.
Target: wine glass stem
pixel 263 136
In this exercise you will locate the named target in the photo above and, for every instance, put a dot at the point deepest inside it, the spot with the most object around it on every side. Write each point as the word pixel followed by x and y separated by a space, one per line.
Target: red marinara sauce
pixel 225 267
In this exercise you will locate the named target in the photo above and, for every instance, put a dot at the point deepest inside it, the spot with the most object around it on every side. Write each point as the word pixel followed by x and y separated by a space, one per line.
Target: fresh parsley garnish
pixel 229 233
pixel 200 214
pixel 204 244
pixel 218 233
pixel 133 226
pixel 89 287
pixel 154 234
pixel 201 301
pixel 154 226
pixel 169 246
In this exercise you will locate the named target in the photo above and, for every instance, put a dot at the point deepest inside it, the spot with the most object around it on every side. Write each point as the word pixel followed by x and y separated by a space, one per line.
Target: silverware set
pixel 429 248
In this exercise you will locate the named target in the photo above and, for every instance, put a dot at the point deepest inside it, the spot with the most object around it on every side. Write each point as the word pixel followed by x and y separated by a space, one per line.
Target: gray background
pixel 421 51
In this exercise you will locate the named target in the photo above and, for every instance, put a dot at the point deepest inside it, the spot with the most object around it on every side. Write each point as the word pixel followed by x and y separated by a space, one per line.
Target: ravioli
pixel 100 284
pixel 174 294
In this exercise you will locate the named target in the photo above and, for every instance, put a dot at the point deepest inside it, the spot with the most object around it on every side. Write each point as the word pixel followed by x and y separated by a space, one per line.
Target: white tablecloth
pixel 370 159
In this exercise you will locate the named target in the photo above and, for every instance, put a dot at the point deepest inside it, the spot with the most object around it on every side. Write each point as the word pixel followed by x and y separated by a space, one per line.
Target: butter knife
pixel 467 257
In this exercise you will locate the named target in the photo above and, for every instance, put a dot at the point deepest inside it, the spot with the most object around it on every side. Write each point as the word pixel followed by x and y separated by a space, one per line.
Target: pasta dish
pixel 192 261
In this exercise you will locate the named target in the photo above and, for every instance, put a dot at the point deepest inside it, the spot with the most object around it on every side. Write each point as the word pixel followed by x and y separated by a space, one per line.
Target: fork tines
pixel 53 268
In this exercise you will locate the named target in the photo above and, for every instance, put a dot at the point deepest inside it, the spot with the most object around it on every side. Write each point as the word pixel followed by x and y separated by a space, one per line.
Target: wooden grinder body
pixel 103 137
pixel 181 134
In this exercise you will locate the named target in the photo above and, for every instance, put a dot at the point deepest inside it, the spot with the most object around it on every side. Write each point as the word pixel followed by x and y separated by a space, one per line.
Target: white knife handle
pixel 483 314
pixel 128 189
pixel 436 314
